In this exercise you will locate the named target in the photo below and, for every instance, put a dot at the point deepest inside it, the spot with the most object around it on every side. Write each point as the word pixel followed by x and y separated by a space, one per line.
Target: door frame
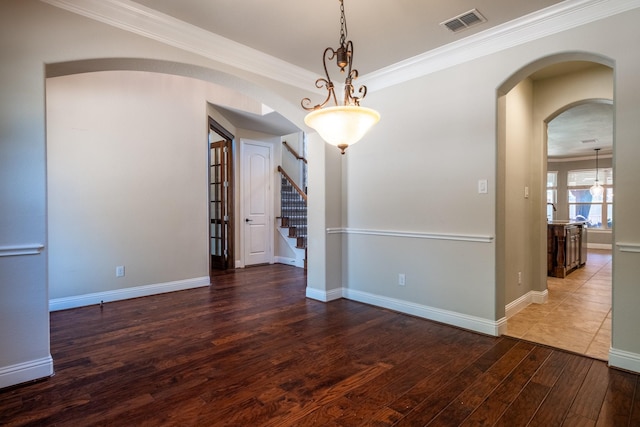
pixel 270 207
pixel 230 235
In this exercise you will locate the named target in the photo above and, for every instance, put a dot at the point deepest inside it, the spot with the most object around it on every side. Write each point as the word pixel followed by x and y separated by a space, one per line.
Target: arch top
pixel 548 61
pixel 262 94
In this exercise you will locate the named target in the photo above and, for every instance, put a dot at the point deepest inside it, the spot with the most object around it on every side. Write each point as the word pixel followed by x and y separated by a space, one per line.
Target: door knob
pixel 247 220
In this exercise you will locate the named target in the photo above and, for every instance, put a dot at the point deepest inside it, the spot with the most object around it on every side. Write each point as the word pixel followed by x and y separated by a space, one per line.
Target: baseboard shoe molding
pixel 531 297
pixel 289 261
pixel 26 371
pixel 472 323
pixel 539 297
pixel 624 360
pixel 126 293
pixel 324 296
pixel 514 307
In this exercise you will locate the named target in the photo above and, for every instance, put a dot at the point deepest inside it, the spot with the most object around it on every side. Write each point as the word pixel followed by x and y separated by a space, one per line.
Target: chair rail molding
pixel 628 247
pixel 17 250
pixel 413 234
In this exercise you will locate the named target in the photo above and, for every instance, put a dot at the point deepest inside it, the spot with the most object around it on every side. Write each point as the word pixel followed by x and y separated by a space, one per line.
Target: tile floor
pixel 577 315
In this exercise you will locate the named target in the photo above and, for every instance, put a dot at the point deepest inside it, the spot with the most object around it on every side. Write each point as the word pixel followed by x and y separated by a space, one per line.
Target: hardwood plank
pixel 618 401
pixel 252 350
pixel 554 409
pixel 498 401
pixel 506 359
pixel 588 401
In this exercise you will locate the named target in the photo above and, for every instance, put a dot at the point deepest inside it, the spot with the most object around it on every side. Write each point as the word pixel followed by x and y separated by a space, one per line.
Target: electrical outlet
pixel 120 271
pixel 519 277
pixel 401 279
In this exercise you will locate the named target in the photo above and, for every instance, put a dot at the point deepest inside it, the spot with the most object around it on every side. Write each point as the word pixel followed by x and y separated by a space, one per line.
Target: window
pixel 596 211
pixel 552 193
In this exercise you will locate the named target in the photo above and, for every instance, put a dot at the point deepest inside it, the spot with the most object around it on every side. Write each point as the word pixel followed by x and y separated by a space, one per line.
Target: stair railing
pixel 293 184
pixel 293 208
pixel 294 152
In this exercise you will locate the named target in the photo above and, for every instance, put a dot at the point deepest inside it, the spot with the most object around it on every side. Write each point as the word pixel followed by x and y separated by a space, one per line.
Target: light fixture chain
pixel 343 25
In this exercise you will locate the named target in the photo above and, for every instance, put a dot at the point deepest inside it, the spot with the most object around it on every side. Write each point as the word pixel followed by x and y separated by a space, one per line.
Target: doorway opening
pixel 527 102
pixel 221 229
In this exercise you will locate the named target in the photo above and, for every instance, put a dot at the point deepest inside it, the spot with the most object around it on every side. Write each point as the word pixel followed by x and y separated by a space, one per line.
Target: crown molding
pixel 135 18
pixel 146 22
pixel 551 20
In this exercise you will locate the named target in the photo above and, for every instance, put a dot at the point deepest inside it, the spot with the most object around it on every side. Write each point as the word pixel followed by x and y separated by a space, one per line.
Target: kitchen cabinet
pixel 566 247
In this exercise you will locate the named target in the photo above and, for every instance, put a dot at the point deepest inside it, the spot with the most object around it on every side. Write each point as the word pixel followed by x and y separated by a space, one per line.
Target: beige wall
pixel 519 206
pixel 127 171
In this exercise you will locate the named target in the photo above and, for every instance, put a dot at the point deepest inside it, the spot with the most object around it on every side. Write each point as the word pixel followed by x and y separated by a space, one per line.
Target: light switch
pixel 483 186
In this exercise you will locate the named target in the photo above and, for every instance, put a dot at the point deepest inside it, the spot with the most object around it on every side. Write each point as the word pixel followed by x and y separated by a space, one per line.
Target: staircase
pixel 293 218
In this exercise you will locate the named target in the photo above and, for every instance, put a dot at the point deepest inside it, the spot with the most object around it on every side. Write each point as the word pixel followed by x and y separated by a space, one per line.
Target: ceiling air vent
pixel 464 20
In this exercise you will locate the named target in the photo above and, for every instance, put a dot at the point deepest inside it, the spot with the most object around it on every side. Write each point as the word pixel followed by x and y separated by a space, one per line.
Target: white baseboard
pixel 126 293
pixel 26 371
pixel 539 297
pixel 473 323
pixel 289 261
pixel 514 307
pixel 599 246
pixel 536 297
pixel 323 296
pixel 624 360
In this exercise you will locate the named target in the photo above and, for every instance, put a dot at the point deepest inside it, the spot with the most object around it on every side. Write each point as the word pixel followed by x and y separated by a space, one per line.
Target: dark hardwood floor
pixel 252 351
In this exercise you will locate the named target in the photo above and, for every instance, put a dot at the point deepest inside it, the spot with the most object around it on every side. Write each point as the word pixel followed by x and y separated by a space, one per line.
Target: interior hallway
pixel 577 315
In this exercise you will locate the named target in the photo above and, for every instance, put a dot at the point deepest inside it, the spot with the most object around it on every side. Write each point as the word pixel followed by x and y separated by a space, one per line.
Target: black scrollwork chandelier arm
pixel 344 59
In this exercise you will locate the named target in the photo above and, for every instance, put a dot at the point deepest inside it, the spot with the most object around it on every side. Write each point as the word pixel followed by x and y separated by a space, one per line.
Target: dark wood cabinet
pixel 566 248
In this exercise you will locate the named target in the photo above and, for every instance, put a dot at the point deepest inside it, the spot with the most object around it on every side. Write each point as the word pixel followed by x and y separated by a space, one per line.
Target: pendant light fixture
pixel 596 189
pixel 340 125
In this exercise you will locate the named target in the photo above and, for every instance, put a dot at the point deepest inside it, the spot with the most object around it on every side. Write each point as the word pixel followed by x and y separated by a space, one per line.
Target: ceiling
pixel 384 32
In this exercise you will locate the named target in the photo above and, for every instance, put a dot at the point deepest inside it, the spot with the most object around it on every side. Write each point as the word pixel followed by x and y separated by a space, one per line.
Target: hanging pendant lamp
pixel 596 189
pixel 340 125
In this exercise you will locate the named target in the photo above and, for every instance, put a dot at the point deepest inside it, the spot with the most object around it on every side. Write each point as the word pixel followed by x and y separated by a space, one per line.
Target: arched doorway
pixel 140 184
pixel 526 102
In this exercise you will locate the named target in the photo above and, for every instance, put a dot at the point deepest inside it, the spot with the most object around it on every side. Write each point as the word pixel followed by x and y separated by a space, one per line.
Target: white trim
pixel 539 297
pixel 473 323
pixel 551 20
pixel 531 297
pixel 599 246
pixel 26 371
pixel 514 307
pixel 126 293
pixel 624 360
pixel 289 261
pixel 16 250
pixel 324 296
pixel 628 247
pixel 412 234
pixel 146 22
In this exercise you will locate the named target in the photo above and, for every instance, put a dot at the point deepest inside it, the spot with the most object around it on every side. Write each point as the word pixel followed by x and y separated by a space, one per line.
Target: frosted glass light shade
pixel 343 125
pixel 596 190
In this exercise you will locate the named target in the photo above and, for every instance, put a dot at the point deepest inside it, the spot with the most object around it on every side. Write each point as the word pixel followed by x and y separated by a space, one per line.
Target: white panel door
pixel 256 179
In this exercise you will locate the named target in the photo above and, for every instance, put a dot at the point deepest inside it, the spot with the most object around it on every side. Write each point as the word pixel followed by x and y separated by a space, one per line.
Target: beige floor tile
pixel 577 315
pixel 600 345
pixel 560 337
